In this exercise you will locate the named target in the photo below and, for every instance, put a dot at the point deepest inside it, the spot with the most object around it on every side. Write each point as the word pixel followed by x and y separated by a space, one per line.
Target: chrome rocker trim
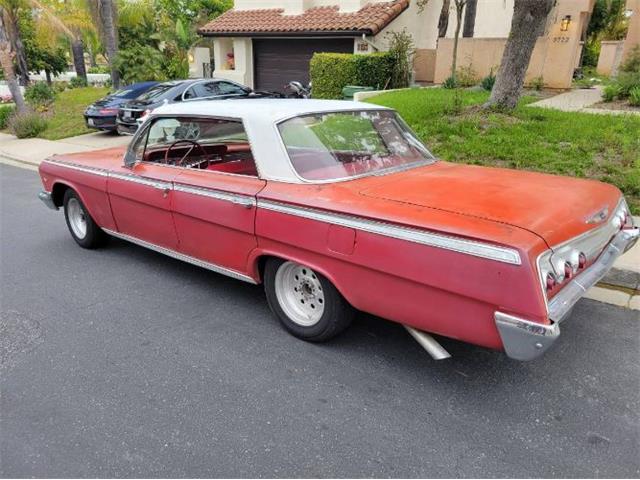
pixel 526 340
pixel 181 256
pixel 47 199
pixel 469 247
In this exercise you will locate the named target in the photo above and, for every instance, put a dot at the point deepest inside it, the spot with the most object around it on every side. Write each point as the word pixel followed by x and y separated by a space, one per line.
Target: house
pixel 267 43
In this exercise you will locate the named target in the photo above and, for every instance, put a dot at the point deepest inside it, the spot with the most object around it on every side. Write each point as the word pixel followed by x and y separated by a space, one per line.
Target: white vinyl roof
pixel 260 117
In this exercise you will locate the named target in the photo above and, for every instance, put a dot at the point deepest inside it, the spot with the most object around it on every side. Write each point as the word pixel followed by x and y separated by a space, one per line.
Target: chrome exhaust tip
pixel 429 343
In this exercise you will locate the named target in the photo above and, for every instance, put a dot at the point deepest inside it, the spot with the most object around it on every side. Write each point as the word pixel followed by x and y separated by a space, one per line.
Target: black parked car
pixel 102 114
pixel 131 114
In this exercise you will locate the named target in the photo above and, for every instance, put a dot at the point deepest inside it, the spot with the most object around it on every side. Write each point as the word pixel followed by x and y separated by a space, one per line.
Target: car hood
pixel 553 207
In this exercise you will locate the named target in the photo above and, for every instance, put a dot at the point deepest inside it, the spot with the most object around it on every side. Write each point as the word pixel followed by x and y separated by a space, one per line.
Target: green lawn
pixel 65 115
pixel 602 147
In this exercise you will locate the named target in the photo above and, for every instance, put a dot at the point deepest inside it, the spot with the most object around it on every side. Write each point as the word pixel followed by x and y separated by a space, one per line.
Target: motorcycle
pixel 295 89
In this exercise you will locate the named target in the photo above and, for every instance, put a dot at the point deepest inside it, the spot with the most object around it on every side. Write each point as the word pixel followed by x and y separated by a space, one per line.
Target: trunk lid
pixel 553 207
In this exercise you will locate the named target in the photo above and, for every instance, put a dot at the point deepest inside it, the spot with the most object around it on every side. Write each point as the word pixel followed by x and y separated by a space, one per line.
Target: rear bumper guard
pixel 525 340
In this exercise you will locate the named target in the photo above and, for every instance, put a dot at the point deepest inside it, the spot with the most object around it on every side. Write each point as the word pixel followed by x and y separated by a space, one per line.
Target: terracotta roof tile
pixel 369 19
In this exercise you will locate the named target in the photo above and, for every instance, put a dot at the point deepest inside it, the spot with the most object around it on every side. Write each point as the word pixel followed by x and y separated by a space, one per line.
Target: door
pixel 214 196
pixel 280 61
pixel 140 198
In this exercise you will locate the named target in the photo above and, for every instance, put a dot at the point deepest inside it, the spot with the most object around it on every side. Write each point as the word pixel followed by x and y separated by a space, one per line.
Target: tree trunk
pixel 108 16
pixel 443 21
pixel 470 18
pixel 10 20
pixel 528 18
pixel 454 60
pixel 6 63
pixel 47 74
pixel 77 48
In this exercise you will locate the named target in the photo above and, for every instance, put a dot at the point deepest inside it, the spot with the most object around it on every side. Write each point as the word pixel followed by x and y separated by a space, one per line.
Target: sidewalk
pixel 33 150
pixel 28 153
pixel 579 100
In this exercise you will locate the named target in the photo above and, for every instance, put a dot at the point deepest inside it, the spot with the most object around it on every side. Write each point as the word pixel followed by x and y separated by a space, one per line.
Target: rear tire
pixel 82 227
pixel 305 302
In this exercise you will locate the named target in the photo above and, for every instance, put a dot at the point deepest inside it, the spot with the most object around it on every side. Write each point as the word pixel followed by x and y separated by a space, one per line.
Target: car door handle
pixel 165 192
pixel 246 203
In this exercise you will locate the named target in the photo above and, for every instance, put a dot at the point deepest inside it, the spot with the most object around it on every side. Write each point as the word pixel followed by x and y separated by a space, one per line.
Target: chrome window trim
pixel 142 180
pixel 388 171
pixel 239 199
pixel 185 258
pixel 460 245
pixel 81 168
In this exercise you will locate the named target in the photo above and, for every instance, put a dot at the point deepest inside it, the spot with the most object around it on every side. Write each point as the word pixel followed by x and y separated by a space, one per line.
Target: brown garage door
pixel 277 62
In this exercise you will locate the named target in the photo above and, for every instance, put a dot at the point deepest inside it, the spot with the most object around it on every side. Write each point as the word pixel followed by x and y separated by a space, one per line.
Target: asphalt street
pixel 122 362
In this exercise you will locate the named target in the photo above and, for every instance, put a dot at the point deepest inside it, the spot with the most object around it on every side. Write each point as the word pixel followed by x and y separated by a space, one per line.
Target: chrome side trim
pixel 141 180
pixel 565 299
pixel 185 258
pixel 81 168
pixel 523 339
pixel 468 247
pixel 247 201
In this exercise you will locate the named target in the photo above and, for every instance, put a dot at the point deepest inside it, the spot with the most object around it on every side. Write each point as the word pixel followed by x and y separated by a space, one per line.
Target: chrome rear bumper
pixel 525 340
pixel 47 199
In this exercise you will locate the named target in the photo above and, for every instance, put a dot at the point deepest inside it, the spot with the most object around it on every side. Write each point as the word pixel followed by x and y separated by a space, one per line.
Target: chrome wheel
pixel 77 219
pixel 299 293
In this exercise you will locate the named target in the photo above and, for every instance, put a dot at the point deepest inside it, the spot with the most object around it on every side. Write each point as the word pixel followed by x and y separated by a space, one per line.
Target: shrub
pixel 634 97
pixel 60 86
pixel 331 72
pixel 467 76
pixel 627 81
pixel 537 83
pixel 488 82
pixel 140 64
pixel 99 69
pixel 401 51
pixel 450 83
pixel 39 93
pixel 5 114
pixel 610 92
pixel 27 125
pixel 77 82
pixel 632 63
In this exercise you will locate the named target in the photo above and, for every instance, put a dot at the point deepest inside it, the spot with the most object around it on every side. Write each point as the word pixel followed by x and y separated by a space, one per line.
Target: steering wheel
pixel 183 140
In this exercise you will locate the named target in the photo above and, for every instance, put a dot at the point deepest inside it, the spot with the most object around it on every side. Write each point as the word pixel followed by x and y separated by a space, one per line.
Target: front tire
pixel 82 227
pixel 305 302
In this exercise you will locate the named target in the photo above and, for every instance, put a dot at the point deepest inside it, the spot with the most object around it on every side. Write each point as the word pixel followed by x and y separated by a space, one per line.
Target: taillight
pixel 109 111
pixel 582 260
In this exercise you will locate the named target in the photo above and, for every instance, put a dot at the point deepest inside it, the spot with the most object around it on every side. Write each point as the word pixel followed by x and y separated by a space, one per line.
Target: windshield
pixel 330 146
pixel 155 92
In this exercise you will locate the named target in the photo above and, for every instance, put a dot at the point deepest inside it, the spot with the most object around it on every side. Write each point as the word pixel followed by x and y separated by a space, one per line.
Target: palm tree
pixel 105 17
pixel 6 62
pixel 10 11
pixel 70 19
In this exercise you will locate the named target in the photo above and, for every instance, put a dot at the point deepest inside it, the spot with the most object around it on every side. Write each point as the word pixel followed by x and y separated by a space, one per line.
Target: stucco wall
pixel 633 34
pixel 610 56
pixel 554 57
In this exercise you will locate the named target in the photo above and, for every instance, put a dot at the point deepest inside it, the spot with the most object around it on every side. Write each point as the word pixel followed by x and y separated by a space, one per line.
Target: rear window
pixel 155 92
pixel 338 145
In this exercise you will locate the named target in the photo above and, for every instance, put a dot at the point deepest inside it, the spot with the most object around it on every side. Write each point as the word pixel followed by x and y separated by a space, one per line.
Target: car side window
pixel 205 89
pixel 227 88
pixel 214 144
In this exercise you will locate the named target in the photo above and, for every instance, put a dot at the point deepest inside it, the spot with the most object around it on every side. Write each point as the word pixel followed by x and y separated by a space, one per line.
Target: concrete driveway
pixel 32 151
pixel 121 362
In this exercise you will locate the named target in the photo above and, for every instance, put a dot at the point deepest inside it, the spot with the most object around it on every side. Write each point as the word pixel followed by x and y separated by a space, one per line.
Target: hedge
pixel 331 72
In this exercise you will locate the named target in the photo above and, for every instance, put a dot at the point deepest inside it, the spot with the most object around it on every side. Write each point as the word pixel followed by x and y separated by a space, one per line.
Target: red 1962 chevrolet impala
pixel 336 206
